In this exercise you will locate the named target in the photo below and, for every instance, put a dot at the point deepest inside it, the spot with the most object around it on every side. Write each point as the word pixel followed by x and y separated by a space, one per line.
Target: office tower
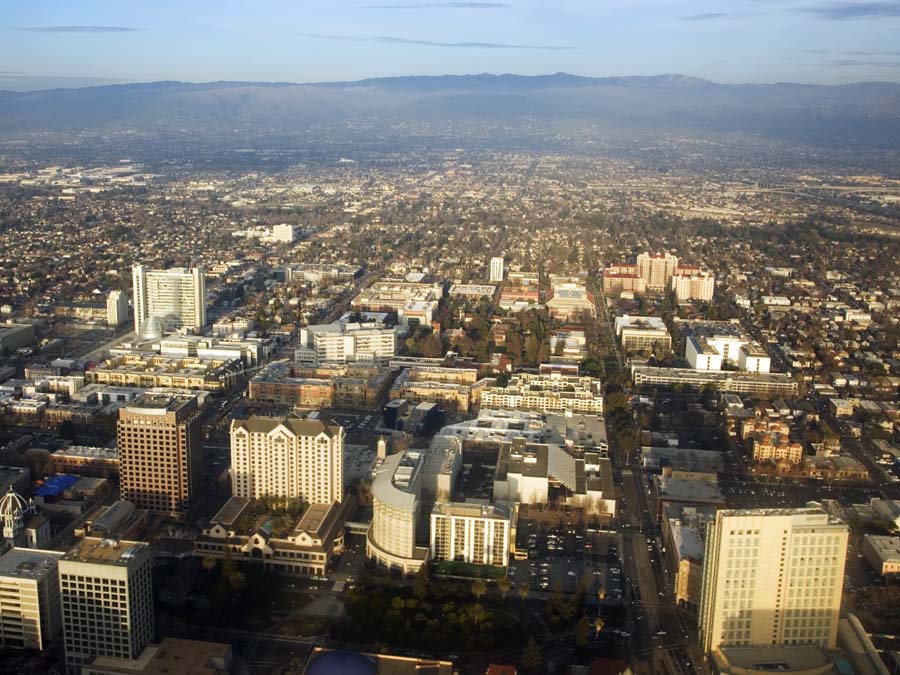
pixel 29 599
pixel 772 577
pixel 107 600
pixel 289 458
pixel 472 532
pixel 396 490
pixel 116 308
pixel 176 296
pixel 656 270
pixel 160 453
pixel 497 268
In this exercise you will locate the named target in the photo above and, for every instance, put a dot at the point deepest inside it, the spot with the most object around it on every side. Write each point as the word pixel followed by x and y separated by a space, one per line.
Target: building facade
pixel 772 577
pixel 107 600
pixel 289 458
pixel 29 599
pixel 474 532
pixel 496 269
pixel 116 308
pixel 160 453
pixel 177 295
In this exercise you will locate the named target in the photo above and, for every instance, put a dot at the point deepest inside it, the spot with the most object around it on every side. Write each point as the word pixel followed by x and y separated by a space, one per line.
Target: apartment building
pixel 177 296
pixel 345 342
pixel 474 532
pixel 547 392
pixel 642 333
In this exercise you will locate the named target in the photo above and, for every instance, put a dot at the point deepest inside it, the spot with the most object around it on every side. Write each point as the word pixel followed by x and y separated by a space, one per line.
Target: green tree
pixel 522 590
pixel 420 582
pixel 582 632
pixel 504 585
pixel 237 580
pixel 479 588
pixel 532 659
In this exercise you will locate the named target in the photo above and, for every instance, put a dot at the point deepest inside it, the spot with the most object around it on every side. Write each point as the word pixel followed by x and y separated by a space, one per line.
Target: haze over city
pixel 467 338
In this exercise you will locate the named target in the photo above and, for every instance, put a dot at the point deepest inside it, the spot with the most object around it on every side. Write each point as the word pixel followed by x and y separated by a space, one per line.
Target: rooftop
pixel 28 563
pixel 105 551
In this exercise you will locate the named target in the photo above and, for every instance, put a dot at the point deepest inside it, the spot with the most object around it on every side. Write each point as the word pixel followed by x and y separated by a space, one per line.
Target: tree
pixel 582 632
pixel 532 659
pixel 237 580
pixel 522 590
pixel 478 589
pixel 420 582
pixel 432 347
pixel 209 564
pixel 504 585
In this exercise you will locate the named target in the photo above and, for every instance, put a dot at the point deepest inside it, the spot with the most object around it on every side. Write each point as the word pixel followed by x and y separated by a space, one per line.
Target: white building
pixel 289 458
pixel 883 553
pixel 176 297
pixel 107 600
pixel 396 490
pixel 772 577
pixel 30 615
pixel 417 312
pixel 702 355
pixel 496 269
pixel 693 284
pixel 116 308
pixel 642 333
pixel 553 392
pixel 472 532
pixel 345 342
pixel 656 269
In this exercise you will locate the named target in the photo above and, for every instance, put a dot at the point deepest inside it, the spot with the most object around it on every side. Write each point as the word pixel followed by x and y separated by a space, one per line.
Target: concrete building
pixel 289 458
pixel 345 342
pixel 14 336
pixel 170 656
pixel 472 290
pixel 701 355
pixel 116 308
pixel 570 300
pixel 160 453
pixel 30 615
pixel 693 284
pixel 772 577
pixel 396 493
pixel 883 553
pixel 496 269
pixel 656 269
pixel 304 547
pixel 107 600
pixel 390 295
pixel 642 333
pixel 759 385
pixel 473 531
pixel 151 370
pixel 551 392
pixel 175 297
pixel 683 531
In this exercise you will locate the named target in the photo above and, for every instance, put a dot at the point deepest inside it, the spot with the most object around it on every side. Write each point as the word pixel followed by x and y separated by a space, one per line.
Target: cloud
pixel 848 11
pixel 79 29
pixel 442 5
pixel 389 39
pixel 858 63
pixel 706 16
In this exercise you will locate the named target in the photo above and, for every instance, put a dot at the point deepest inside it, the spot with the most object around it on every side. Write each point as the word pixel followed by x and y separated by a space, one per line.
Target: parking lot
pixel 753 493
pixel 359 426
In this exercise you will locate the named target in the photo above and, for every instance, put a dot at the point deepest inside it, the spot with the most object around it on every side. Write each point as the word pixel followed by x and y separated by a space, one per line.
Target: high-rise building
pixel 497 268
pixel 175 296
pixel 29 599
pixel 160 453
pixel 107 600
pixel 116 308
pixel 289 458
pixel 772 577
pixel 693 284
pixel 471 532
pixel 656 269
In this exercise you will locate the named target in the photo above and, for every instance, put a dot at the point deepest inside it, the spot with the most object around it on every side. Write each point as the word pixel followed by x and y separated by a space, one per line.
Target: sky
pixel 65 43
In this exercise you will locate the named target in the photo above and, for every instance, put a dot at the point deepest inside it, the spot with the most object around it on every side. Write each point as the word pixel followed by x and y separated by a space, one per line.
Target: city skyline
pixel 747 41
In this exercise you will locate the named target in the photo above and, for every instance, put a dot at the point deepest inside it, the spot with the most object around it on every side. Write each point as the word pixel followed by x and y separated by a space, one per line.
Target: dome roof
pixel 12 505
pixel 343 662
pixel 153 329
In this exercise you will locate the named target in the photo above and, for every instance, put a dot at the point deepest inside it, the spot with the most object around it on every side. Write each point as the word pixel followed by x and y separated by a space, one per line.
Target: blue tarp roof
pixel 56 485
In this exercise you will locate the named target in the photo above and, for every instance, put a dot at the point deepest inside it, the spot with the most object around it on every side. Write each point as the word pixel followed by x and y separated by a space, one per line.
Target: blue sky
pixel 73 43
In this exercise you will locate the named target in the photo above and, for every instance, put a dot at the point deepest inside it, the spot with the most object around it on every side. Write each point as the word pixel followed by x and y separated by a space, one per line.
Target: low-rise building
pixel 553 392
pixel 642 333
pixel 883 553
pixel 171 655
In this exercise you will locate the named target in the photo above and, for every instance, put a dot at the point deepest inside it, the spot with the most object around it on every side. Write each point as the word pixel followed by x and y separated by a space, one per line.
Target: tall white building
pixel 472 532
pixel 107 600
pixel 656 269
pixel 772 577
pixel 116 308
pixel 29 599
pixel 345 342
pixel 177 296
pixel 496 269
pixel 693 284
pixel 289 458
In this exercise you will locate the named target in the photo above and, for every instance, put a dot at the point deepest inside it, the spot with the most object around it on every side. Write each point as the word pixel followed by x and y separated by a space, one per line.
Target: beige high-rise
pixel 772 577
pixel 107 600
pixel 289 458
pixel 29 598
pixel 177 295
pixel 160 453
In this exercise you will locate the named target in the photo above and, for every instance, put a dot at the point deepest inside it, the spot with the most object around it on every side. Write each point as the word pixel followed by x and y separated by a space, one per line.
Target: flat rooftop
pixel 105 551
pixel 28 563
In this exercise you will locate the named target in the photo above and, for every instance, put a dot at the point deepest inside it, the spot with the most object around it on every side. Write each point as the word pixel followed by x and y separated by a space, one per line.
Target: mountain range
pixel 865 114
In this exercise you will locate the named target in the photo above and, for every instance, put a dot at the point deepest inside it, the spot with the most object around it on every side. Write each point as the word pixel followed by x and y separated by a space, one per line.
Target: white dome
pixel 12 505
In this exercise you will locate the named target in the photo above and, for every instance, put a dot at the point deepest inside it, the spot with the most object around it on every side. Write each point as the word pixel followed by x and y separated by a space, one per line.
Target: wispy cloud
pixel 863 63
pixel 440 5
pixel 389 39
pixel 705 16
pixel 848 11
pixel 79 29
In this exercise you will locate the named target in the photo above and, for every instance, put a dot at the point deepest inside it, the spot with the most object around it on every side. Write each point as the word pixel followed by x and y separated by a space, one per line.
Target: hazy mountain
pixel 857 115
